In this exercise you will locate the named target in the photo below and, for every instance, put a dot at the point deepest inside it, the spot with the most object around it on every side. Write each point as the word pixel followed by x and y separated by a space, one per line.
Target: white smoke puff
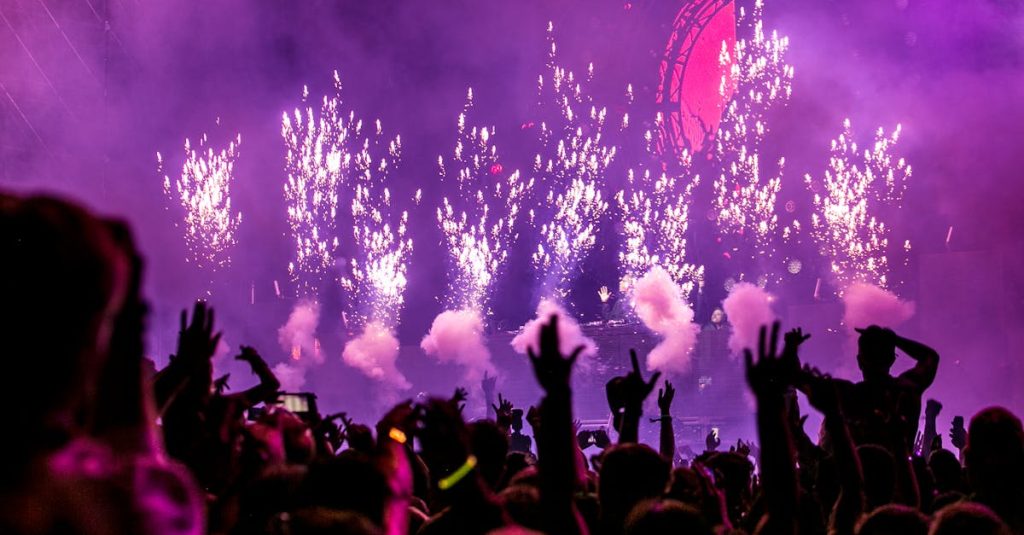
pixel 375 353
pixel 300 330
pixel 570 335
pixel 458 336
pixel 659 303
pixel 867 304
pixel 748 307
pixel 291 375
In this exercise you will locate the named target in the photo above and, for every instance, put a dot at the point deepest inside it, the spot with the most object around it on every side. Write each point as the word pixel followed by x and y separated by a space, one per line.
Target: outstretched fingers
pixel 653 381
pixel 636 362
pixel 549 336
pixel 576 353
pixel 534 359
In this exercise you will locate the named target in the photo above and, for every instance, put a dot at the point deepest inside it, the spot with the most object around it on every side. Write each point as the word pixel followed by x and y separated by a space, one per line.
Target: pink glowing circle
pixel 690 90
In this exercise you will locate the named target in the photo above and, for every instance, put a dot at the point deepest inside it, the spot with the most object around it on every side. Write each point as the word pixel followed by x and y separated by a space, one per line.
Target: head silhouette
pixel 630 473
pixel 490 446
pixel 666 517
pixel 893 519
pixel 63 280
pixel 879 474
pixel 876 352
pixel 965 518
pixel 994 456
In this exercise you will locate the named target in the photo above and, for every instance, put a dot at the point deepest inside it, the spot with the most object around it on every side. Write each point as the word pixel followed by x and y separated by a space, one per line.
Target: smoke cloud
pixel 458 336
pixel 747 307
pixel 570 335
pixel 375 353
pixel 300 330
pixel 297 338
pixel 659 303
pixel 292 376
pixel 867 304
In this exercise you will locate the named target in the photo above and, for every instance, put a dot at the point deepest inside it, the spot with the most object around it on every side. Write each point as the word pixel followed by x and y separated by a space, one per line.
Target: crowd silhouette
pixel 100 442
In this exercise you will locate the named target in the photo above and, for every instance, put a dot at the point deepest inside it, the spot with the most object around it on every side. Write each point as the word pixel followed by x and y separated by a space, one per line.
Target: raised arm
pixel 393 438
pixel 851 502
pixel 190 372
pixel 556 447
pixel 503 414
pixel 266 390
pixel 769 377
pixel 923 373
pixel 931 412
pixel 488 385
pixel 632 390
pixel 667 436
pixel 445 448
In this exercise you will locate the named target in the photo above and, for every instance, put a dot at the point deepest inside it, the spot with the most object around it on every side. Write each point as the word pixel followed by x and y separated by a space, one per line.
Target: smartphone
pixel 297 403
pixel 714 431
pixel 958 422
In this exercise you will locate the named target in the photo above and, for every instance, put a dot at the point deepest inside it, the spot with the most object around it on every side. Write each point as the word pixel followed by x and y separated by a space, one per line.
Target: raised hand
pixel 821 391
pixel 503 413
pixel 220 385
pixel 793 339
pixel 402 417
pixel 197 341
pixel 488 385
pixel 248 355
pixel 711 441
pixel 459 398
pixel 772 373
pixel 443 438
pixel 551 367
pixel 504 406
pixel 743 448
pixel 634 389
pixel 665 396
pixel 932 408
pixel 957 433
pixel 327 429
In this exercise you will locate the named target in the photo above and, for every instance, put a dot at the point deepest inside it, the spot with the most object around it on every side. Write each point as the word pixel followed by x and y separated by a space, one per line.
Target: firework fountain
pixel 758 78
pixel 377 276
pixel 655 211
pixel 656 275
pixel 571 165
pixel 376 280
pixel 478 222
pixel 204 193
pixel 317 161
pixel 330 158
pixel 856 187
